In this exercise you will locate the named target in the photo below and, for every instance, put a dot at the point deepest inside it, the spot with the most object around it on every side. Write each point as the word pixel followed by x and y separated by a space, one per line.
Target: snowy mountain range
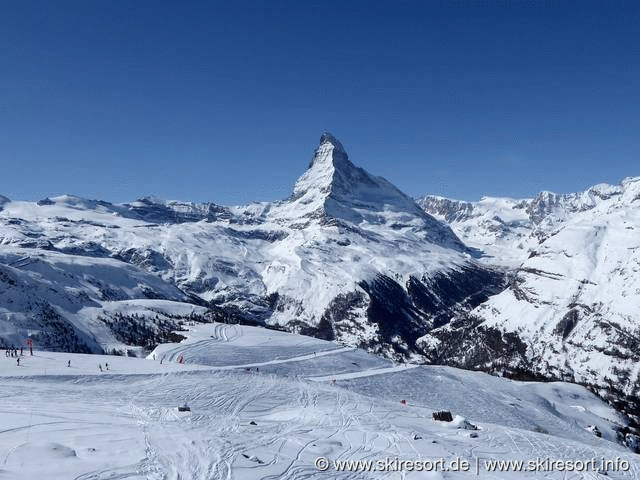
pixel 538 288
pixel 318 263
pixel 571 308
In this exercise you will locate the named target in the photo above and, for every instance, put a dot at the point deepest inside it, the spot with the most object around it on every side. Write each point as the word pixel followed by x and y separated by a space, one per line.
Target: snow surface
pixel 508 230
pixel 75 422
pixel 500 228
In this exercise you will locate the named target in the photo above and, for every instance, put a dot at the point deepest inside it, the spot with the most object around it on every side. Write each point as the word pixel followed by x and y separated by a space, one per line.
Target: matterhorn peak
pixel 334 187
pixel 329 138
pixel 330 154
pixel 328 141
pixel 329 157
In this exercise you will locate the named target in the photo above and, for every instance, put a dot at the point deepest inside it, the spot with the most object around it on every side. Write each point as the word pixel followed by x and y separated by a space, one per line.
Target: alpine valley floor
pixel 266 404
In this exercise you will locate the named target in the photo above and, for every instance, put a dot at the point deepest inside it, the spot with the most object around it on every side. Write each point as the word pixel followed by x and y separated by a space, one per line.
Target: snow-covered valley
pixel 266 404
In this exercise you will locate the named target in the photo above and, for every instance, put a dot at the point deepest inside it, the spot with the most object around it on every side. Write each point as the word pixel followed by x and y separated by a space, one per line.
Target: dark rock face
pixel 404 314
pixel 399 314
pixel 88 249
pixel 444 294
pixel 568 323
pixel 399 323
pixel 150 260
pixel 256 234
pixel 450 210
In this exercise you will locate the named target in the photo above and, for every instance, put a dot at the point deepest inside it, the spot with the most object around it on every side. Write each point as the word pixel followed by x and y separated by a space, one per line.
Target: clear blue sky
pixel 225 101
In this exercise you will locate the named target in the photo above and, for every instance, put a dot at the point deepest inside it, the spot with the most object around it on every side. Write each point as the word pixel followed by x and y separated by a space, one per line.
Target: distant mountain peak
pixel 331 151
pixel 329 158
pixel 335 143
pixel 333 186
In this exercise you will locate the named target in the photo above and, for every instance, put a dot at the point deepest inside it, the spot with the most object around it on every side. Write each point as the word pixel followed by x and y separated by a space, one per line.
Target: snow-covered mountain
pixel 501 228
pixel 348 257
pixel 507 230
pixel 539 288
pixel 571 308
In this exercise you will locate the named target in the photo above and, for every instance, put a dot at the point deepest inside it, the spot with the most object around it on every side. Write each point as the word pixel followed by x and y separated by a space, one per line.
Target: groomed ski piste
pixel 264 404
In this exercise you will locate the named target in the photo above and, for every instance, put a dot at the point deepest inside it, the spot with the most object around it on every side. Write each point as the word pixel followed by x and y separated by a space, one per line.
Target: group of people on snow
pixel 13 351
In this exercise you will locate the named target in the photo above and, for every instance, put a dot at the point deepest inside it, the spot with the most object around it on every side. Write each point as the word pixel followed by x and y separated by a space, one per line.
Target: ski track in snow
pixel 265 424
pixel 201 350
pixel 364 373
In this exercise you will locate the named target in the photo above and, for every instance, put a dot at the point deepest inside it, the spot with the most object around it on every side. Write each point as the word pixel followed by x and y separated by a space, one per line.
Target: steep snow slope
pixel 347 256
pixel 571 309
pixel 58 298
pixel 77 423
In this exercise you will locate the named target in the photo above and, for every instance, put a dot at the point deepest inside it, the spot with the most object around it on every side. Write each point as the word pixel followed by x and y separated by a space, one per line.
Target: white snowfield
pixel 500 227
pixel 266 405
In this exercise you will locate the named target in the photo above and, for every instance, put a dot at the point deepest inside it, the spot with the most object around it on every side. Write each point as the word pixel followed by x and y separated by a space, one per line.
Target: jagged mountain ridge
pixel 507 230
pixel 348 256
